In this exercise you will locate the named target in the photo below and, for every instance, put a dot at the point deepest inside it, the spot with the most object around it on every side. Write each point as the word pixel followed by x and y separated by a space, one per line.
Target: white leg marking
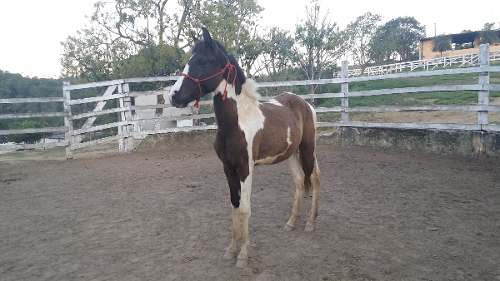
pixel 298 179
pixel 245 212
pixel 232 250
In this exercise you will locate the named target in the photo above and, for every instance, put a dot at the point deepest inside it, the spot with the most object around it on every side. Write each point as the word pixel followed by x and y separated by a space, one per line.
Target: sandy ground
pixel 165 215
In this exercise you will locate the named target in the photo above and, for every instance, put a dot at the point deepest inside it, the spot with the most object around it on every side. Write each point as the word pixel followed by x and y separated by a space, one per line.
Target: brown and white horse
pixel 251 133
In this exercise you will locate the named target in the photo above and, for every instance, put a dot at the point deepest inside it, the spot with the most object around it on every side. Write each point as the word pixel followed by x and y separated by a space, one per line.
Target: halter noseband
pixel 229 66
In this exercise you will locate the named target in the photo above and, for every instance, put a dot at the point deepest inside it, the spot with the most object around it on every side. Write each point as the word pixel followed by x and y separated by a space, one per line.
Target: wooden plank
pixel 176 130
pixel 127 114
pixel 328 109
pixel 457 108
pixel 32 100
pixel 99 113
pixel 99 106
pixel 154 106
pixel 95 142
pixel 31 115
pixel 32 131
pixel 491 128
pixel 418 126
pixel 299 83
pixel 495 87
pixel 68 120
pixel 92 85
pixel 122 130
pixel 483 96
pixel 21 146
pixel 416 74
pixel 426 89
pixel 150 93
pixel 151 79
pixel 344 89
pixel 96 99
pixel 181 117
pixel 99 128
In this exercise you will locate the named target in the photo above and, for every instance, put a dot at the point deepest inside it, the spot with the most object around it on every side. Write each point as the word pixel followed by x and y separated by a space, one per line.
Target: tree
pixel 234 21
pixel 125 35
pixel 361 32
pixel 319 43
pixel 441 44
pixel 489 34
pixel 277 55
pixel 397 40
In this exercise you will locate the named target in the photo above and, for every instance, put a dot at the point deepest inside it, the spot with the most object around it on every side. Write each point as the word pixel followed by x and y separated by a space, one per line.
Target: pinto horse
pixel 251 133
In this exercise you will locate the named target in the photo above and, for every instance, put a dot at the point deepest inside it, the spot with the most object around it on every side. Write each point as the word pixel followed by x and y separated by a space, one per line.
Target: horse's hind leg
pixel 314 178
pixel 298 179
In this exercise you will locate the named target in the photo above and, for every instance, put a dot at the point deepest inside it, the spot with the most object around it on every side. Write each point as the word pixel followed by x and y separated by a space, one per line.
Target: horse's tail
pixel 307 184
pixel 308 146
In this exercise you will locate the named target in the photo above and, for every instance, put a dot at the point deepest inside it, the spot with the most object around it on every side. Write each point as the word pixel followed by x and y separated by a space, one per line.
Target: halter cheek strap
pixel 229 66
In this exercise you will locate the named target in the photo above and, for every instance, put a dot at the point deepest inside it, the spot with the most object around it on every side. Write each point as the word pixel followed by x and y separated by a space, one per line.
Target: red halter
pixel 229 66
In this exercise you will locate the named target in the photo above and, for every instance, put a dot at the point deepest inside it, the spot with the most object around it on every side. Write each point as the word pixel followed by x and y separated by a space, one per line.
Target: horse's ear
pixel 206 36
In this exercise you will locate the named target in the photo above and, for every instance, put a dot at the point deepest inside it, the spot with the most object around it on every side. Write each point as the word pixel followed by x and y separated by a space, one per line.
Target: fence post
pixel 484 83
pixel 344 101
pixel 68 120
pixel 127 102
pixel 122 129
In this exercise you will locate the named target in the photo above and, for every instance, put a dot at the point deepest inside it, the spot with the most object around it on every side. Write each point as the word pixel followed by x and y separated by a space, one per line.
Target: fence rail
pixel 127 126
pixel 465 60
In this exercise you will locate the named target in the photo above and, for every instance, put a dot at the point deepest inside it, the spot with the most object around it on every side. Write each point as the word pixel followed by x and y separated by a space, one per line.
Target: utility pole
pixel 435 29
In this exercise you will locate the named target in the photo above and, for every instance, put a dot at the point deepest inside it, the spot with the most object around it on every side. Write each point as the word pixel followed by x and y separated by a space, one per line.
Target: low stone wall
pixel 465 143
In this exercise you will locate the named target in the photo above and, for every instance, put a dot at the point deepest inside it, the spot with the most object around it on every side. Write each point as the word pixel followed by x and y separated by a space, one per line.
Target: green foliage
pixel 277 54
pixel 17 86
pixel 489 34
pixel 233 21
pixel 159 60
pixel 361 32
pixel 441 44
pixel 396 40
pixel 319 42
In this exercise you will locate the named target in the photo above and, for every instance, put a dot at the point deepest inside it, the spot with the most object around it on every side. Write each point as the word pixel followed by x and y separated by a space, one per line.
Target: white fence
pixel 128 128
pixel 466 60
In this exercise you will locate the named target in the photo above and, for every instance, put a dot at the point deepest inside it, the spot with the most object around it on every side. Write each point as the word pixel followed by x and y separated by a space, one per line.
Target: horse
pixel 251 133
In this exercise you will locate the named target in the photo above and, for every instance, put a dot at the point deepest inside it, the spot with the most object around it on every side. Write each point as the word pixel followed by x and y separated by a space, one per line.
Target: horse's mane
pixel 249 90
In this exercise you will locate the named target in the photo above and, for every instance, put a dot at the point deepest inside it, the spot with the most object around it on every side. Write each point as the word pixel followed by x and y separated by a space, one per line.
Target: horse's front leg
pixel 234 189
pixel 244 213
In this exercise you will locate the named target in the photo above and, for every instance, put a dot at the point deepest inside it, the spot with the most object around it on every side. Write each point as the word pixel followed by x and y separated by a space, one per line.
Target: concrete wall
pixel 465 143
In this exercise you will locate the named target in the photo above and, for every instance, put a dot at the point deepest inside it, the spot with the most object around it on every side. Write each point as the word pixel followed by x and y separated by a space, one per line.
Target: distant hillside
pixel 14 85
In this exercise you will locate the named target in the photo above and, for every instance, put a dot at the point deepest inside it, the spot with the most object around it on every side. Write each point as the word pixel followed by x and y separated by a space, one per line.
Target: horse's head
pixel 208 66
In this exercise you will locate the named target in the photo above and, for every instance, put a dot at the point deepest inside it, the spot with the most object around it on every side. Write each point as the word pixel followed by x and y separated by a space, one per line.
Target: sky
pixel 31 30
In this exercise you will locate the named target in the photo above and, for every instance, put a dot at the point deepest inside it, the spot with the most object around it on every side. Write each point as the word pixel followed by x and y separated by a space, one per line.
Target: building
pixel 461 44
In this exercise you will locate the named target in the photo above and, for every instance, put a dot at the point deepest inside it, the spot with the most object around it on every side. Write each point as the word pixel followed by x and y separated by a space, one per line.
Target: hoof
pixel 229 255
pixel 288 227
pixel 241 263
pixel 309 227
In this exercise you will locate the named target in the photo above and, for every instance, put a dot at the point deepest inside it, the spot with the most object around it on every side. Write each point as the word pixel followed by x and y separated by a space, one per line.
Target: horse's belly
pixel 273 150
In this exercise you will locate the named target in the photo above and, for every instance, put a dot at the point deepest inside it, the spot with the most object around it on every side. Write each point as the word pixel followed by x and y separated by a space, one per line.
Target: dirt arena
pixel 164 214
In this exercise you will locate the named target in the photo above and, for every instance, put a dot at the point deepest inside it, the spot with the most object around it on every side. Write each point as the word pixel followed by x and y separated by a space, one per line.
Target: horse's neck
pixel 226 114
